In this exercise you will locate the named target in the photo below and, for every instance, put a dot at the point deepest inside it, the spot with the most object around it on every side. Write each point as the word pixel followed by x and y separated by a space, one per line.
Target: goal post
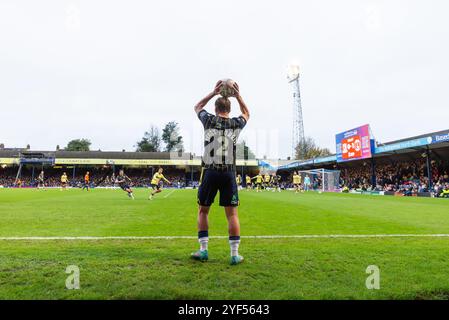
pixel 324 180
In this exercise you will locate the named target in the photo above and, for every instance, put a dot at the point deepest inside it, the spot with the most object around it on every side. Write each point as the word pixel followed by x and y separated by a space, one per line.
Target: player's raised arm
pixel 242 104
pixel 200 105
pixel 165 179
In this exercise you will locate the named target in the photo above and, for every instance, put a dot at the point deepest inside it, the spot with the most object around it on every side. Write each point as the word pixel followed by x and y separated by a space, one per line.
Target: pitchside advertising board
pixel 354 144
pixel 413 143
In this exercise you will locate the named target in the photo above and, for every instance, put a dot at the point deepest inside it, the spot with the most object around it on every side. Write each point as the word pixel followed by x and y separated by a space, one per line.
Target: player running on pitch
pixel 259 181
pixel 238 180
pixel 64 181
pixel 155 182
pixel 275 182
pixel 218 173
pixel 248 182
pixel 122 180
pixel 296 182
pixel 86 181
pixel 40 180
pixel 266 181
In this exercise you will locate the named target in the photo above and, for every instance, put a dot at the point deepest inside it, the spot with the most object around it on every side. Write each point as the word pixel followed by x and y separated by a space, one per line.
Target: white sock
pixel 203 243
pixel 234 244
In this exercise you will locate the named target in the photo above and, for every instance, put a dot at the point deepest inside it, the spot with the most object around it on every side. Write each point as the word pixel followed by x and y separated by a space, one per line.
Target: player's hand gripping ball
pixel 227 88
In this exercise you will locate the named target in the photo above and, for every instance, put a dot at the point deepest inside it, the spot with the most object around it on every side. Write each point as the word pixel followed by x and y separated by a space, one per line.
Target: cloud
pixel 107 70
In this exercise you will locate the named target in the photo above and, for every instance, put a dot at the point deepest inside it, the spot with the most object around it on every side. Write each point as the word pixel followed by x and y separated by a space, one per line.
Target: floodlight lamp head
pixel 293 72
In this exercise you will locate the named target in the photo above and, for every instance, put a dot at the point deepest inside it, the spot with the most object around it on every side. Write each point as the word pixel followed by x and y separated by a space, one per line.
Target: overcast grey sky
pixel 107 70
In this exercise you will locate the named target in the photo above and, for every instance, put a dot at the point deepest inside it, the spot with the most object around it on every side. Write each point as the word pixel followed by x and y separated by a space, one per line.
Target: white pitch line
pixel 168 194
pixel 310 236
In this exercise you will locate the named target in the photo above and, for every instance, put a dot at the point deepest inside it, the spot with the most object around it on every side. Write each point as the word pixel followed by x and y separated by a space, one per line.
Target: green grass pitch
pixel 276 268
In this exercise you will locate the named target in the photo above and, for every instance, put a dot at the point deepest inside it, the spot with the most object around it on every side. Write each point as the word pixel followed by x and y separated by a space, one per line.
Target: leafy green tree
pixel 307 149
pixel 171 137
pixel 151 141
pixel 78 145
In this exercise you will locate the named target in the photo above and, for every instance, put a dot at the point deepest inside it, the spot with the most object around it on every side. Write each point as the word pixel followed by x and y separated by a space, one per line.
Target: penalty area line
pixel 310 236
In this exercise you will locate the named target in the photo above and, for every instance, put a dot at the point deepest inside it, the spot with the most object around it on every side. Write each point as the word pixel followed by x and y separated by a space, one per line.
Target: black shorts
pixel 155 187
pixel 213 181
pixel 124 187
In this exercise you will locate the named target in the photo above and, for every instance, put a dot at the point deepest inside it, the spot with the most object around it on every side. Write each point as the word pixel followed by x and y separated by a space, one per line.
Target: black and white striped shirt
pixel 220 138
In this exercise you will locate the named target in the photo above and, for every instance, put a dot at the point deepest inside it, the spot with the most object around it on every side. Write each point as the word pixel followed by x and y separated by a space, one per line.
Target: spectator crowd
pixel 401 177
pixel 98 177
pixel 407 177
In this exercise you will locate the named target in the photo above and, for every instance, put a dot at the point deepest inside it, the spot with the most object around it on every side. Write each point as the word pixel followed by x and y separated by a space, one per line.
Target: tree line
pixel 153 140
pixel 308 149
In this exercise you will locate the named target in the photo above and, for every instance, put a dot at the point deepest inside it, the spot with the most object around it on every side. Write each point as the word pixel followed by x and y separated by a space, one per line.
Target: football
pixel 227 89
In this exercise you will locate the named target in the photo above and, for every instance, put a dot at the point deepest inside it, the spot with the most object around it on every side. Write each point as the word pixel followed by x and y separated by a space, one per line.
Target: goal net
pixel 320 180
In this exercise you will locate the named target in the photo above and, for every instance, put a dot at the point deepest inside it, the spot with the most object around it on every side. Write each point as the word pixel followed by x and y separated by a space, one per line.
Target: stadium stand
pixel 22 166
pixel 413 166
pixel 416 166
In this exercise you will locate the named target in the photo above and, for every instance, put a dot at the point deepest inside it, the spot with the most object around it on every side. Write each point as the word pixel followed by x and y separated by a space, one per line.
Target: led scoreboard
pixel 354 144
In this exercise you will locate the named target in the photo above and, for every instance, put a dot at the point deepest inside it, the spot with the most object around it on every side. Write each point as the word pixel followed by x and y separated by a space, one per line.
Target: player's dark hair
pixel 223 105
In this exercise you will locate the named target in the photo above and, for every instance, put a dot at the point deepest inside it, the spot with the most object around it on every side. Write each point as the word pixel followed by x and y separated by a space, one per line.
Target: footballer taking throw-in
pixel 219 168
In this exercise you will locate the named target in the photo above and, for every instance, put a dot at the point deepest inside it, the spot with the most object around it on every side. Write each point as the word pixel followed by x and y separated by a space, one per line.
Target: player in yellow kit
pixel 248 182
pixel 238 180
pixel 259 181
pixel 296 182
pixel 64 181
pixel 155 182
pixel 266 181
